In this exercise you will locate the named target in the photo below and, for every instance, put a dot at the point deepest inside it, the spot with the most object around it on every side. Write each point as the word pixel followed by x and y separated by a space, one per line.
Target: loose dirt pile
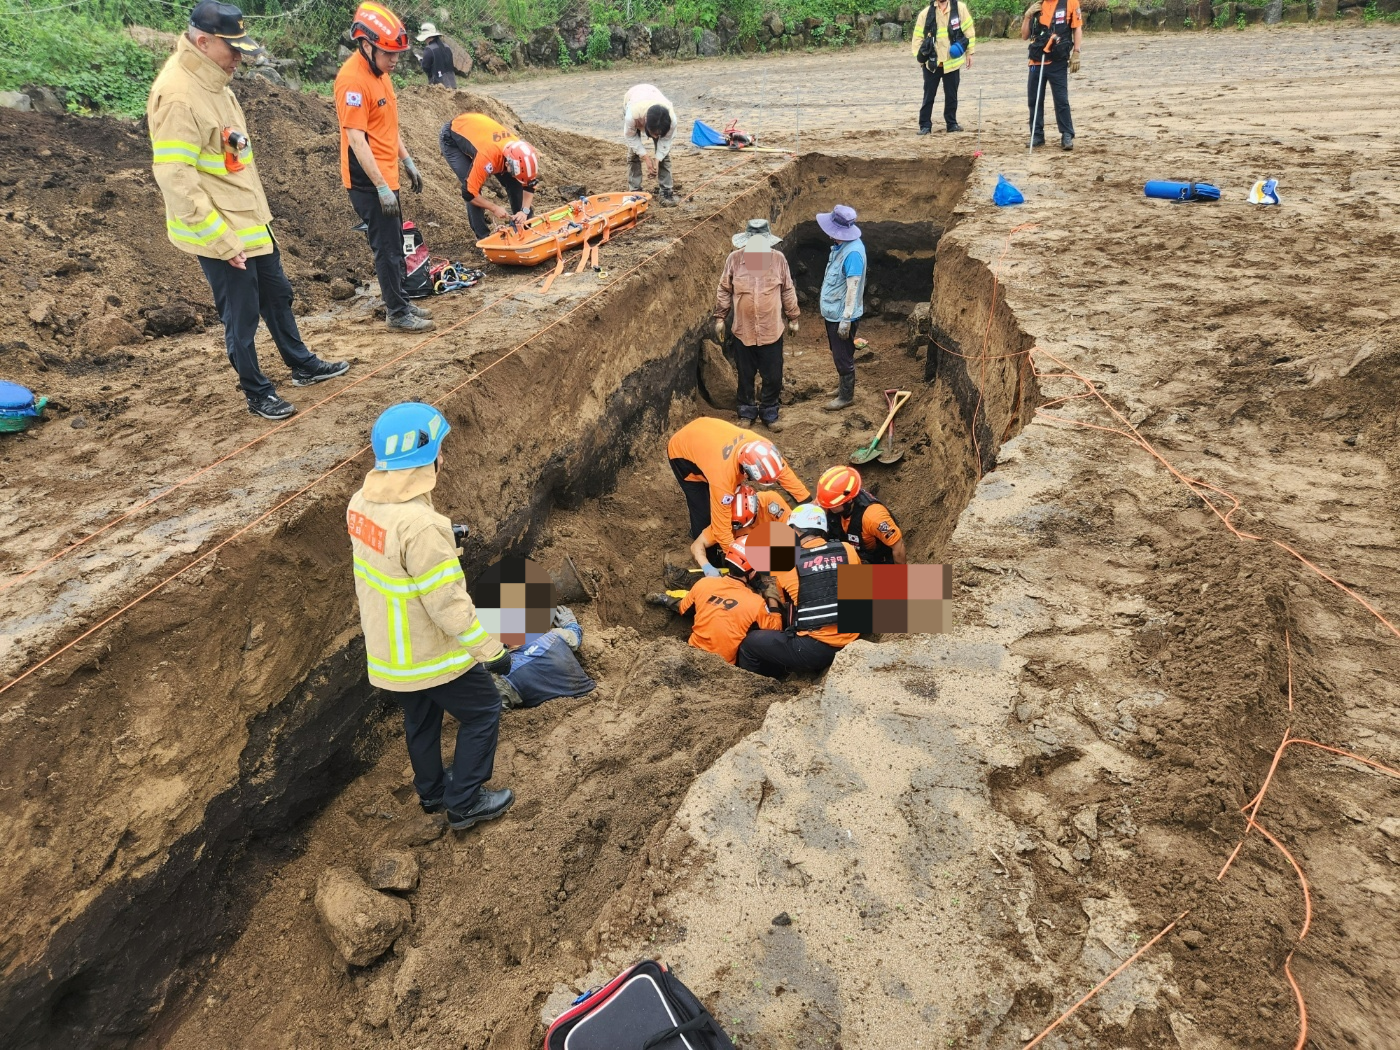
pixel 966 833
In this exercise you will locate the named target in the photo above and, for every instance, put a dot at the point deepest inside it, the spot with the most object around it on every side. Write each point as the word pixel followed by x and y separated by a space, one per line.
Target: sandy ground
pixel 1060 777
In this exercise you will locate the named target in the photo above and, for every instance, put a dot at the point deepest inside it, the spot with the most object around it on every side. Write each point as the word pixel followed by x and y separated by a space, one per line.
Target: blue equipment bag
pixel 1181 191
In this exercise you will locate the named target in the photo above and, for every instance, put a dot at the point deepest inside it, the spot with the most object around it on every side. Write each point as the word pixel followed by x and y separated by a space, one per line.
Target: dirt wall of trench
pixel 147 762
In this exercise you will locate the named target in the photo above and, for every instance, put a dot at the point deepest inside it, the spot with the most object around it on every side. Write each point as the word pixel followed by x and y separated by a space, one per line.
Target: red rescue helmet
pixel 522 162
pixel 759 461
pixel 738 557
pixel 380 26
pixel 743 512
pixel 838 486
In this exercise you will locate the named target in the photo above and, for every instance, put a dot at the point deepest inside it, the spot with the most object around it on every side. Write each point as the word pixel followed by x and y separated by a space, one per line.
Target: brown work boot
pixel 845 393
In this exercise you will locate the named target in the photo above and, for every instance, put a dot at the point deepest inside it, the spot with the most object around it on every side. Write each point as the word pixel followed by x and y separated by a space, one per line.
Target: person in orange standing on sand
pixel 371 149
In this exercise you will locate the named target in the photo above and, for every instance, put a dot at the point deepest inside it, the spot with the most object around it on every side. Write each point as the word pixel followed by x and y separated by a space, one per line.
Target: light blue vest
pixel 834 283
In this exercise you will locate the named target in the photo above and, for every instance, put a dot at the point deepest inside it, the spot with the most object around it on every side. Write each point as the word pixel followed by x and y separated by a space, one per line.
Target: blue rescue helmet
pixel 955 50
pixel 407 435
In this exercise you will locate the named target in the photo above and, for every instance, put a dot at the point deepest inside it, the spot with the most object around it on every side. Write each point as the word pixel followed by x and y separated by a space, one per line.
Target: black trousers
pixel 386 241
pixel 775 653
pixel 950 95
pixel 767 362
pixel 459 154
pixel 843 351
pixel 242 296
pixel 472 699
pixel 697 496
pixel 1057 80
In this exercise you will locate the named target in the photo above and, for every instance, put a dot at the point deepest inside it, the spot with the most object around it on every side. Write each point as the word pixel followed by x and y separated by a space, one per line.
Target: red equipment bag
pixel 645 1007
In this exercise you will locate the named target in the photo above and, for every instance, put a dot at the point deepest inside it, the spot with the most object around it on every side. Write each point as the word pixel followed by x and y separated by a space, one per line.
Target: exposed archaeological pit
pixel 204 761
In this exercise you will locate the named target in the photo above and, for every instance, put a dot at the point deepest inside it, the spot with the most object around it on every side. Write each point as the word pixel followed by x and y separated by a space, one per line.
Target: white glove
pixel 792 327
pixel 844 328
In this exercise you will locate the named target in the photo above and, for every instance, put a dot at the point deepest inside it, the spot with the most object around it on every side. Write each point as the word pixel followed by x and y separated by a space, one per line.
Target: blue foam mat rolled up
pixel 1181 191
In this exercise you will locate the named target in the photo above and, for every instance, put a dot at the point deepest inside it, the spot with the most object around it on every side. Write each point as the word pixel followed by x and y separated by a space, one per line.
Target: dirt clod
pixel 105 333
pixel 341 289
pixel 362 923
pixel 393 870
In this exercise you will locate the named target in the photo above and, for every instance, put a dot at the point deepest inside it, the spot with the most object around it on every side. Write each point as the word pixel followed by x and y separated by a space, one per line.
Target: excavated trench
pixel 232 716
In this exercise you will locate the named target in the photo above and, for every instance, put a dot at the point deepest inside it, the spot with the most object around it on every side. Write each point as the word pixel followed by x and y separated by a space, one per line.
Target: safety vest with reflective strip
pixel 421 629
pixel 209 210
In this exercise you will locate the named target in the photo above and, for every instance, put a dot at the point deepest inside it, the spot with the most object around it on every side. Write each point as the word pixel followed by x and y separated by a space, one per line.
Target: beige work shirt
pixel 759 287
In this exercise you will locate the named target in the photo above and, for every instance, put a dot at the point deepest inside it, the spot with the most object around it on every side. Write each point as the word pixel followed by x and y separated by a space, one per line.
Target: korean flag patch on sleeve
pixel 354 98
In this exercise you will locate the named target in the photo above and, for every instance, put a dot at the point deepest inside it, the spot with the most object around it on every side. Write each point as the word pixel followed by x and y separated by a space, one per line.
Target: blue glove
pixel 709 570
pixel 388 202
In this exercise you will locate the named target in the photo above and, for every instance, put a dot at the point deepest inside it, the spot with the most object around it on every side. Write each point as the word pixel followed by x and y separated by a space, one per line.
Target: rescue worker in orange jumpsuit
pixel 709 458
pixel 859 518
pixel 726 608
pixel 811 641
pixel 748 510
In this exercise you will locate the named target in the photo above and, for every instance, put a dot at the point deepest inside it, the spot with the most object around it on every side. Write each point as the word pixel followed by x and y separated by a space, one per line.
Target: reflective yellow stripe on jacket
pixel 398 591
pixel 173 151
pixel 207 232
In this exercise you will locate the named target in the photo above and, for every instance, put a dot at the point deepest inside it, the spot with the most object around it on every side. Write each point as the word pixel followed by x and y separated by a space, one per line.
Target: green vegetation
pixel 96 66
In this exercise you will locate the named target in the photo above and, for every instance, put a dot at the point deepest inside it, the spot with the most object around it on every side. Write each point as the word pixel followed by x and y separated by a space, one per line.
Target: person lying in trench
pixel 546 667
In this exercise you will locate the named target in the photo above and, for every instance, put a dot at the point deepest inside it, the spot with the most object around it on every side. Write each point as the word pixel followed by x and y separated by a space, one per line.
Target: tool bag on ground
pixel 418 278
pixel 644 1007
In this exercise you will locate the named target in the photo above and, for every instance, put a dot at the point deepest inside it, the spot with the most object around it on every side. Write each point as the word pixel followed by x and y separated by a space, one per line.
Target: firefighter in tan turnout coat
pixel 423 640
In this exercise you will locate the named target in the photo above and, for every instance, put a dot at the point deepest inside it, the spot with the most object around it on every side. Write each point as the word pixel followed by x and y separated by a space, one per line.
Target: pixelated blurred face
pixel 756 260
pixel 894 599
pixel 514 600
pixel 770 547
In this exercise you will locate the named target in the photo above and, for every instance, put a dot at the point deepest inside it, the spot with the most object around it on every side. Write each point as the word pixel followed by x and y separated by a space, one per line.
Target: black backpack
pixel 644 1007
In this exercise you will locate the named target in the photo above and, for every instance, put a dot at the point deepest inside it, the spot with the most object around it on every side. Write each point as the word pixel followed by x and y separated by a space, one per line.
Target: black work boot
pixel 488 806
pixel 1066 141
pixel 271 407
pixel 319 371
pixel 845 393
pixel 668 198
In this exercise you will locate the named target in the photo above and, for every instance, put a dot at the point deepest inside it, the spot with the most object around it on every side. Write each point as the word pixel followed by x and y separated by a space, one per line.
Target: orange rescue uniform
pixel 876 527
pixel 710 445
pixel 365 101
pixel 725 611
pixel 771 507
pixel 1073 16
pixel 787 580
pixel 490 139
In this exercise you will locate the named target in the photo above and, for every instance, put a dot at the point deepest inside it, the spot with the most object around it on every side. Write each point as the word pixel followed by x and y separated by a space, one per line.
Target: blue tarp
pixel 701 134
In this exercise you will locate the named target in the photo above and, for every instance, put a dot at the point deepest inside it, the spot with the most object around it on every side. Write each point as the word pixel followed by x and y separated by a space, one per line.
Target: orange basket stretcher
pixel 547 236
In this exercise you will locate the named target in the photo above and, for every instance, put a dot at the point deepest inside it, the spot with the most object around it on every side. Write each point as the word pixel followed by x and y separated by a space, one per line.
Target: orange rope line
pixel 137 508
pixel 1102 984
pixel 1199 487
pixel 263 517
pixel 1196 485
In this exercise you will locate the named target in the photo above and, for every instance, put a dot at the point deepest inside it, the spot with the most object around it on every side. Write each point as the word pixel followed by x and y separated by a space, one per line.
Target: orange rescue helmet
pixel 743 512
pixel 522 162
pixel 738 557
pixel 838 486
pixel 759 461
pixel 380 26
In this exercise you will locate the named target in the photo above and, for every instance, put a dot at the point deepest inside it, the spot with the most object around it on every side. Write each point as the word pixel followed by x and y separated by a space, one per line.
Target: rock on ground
pixel 362 923
pixel 104 333
pixel 393 869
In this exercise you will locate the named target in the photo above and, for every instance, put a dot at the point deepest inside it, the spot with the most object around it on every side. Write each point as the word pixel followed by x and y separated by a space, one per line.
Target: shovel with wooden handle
pixel 868 452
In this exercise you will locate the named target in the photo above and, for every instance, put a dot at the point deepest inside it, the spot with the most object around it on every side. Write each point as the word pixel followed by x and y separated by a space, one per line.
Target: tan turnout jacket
pixel 209 210
pixel 421 628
